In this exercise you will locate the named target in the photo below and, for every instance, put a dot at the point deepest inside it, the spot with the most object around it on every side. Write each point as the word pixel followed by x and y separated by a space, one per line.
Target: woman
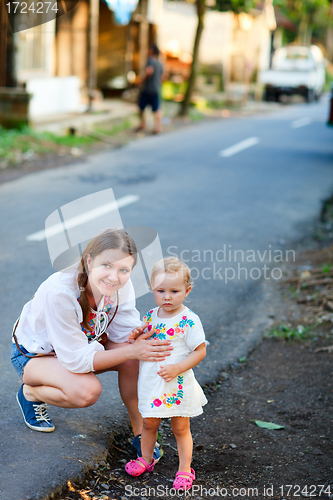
pixel 77 325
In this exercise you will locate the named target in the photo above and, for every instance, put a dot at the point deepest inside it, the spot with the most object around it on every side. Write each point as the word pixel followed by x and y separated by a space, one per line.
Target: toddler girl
pixel 170 389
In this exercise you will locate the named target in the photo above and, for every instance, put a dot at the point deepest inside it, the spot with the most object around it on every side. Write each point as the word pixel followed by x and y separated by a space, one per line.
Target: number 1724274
pixel 313 490
pixel 25 8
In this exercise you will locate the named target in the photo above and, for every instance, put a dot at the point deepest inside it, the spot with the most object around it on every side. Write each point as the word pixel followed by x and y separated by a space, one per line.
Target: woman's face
pixel 109 271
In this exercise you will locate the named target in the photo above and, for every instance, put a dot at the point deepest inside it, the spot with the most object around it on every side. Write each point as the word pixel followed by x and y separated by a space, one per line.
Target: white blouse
pixel 52 321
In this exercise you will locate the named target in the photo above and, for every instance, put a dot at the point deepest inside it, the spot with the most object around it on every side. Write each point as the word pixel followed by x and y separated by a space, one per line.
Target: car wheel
pixel 310 95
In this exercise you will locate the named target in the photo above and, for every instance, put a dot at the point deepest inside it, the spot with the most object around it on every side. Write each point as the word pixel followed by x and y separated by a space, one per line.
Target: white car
pixel 295 70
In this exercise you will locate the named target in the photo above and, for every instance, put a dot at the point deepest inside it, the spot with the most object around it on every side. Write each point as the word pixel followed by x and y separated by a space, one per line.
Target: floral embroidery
pixel 91 333
pixel 185 321
pixel 148 317
pixel 172 398
pixel 160 331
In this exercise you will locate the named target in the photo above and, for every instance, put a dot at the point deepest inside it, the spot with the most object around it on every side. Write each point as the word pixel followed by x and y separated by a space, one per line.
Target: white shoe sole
pixel 38 429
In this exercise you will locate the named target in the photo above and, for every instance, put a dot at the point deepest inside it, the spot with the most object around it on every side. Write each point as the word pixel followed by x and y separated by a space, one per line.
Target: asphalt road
pixel 251 184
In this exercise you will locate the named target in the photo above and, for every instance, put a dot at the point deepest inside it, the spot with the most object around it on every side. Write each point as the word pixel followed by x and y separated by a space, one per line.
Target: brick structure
pixel 14 107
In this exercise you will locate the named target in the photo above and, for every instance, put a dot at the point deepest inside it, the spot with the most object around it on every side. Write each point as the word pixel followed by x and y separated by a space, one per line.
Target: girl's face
pixel 109 271
pixel 170 292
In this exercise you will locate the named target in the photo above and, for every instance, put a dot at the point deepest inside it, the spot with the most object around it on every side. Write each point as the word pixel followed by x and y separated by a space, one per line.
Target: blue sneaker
pixel 34 413
pixel 137 445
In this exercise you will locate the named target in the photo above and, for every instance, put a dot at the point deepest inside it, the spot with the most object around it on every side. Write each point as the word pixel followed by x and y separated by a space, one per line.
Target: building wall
pixel 71 42
pixel 179 22
pixel 240 43
pixel 250 46
pixel 111 60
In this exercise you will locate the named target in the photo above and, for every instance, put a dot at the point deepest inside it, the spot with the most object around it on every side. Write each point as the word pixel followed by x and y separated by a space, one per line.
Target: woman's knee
pixel 129 368
pixel 87 393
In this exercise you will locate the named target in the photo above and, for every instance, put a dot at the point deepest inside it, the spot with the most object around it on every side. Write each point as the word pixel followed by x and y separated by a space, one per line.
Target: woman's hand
pixel 136 332
pixel 150 350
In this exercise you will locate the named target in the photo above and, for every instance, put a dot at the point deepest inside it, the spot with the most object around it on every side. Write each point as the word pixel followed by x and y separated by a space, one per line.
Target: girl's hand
pixel 169 372
pixel 136 332
pixel 151 349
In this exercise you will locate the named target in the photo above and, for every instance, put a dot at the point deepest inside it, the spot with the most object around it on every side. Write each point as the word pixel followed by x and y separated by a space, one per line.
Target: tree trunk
pixel 3 44
pixel 329 39
pixel 201 7
pixel 143 39
pixel 93 49
pixel 304 31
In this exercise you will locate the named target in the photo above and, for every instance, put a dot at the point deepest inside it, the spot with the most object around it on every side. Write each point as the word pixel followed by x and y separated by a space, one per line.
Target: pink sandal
pixel 139 466
pixel 184 483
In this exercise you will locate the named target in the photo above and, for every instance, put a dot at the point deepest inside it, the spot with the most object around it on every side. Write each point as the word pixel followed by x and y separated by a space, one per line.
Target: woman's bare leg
pixel 128 387
pixel 47 380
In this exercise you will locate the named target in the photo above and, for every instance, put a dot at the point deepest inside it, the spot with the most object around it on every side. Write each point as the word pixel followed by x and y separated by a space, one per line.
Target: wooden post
pixel 3 44
pixel 129 49
pixel 143 39
pixel 93 49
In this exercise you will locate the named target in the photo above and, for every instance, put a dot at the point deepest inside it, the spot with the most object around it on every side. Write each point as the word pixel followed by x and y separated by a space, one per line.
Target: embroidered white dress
pixel 182 396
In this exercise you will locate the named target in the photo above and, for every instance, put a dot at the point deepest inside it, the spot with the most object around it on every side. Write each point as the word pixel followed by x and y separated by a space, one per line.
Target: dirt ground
pixel 287 382
pixel 281 382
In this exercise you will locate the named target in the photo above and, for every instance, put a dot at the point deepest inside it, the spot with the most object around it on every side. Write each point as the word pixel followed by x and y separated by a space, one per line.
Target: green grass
pixel 18 145
pixel 326 268
pixel 294 292
pixel 195 115
pixel 115 129
pixel 328 81
pixel 67 140
pixel 216 104
pixel 289 333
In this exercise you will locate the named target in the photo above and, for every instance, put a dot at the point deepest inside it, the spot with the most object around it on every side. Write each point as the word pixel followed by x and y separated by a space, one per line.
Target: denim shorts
pixel 18 359
pixel 149 99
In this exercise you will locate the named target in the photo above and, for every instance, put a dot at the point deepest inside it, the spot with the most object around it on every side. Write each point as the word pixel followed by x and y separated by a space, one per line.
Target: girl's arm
pixel 169 372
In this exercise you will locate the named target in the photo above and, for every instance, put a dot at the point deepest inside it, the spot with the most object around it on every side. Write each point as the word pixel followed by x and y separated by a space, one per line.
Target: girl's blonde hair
pixel 171 265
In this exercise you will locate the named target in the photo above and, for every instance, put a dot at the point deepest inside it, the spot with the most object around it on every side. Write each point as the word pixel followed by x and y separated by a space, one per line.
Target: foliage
pixel 311 16
pixel 236 6
pixel 288 333
pixel 19 145
pixel 326 268
pixel 113 129
pixel 267 425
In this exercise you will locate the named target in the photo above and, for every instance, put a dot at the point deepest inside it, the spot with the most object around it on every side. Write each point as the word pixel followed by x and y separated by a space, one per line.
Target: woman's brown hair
pixel 106 240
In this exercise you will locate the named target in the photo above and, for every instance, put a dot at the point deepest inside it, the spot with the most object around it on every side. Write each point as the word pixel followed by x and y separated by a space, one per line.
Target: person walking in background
pixel 150 88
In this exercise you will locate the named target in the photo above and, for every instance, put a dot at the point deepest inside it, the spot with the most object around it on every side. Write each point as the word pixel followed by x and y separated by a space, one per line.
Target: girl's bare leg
pixel 181 429
pixel 47 380
pixel 148 438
